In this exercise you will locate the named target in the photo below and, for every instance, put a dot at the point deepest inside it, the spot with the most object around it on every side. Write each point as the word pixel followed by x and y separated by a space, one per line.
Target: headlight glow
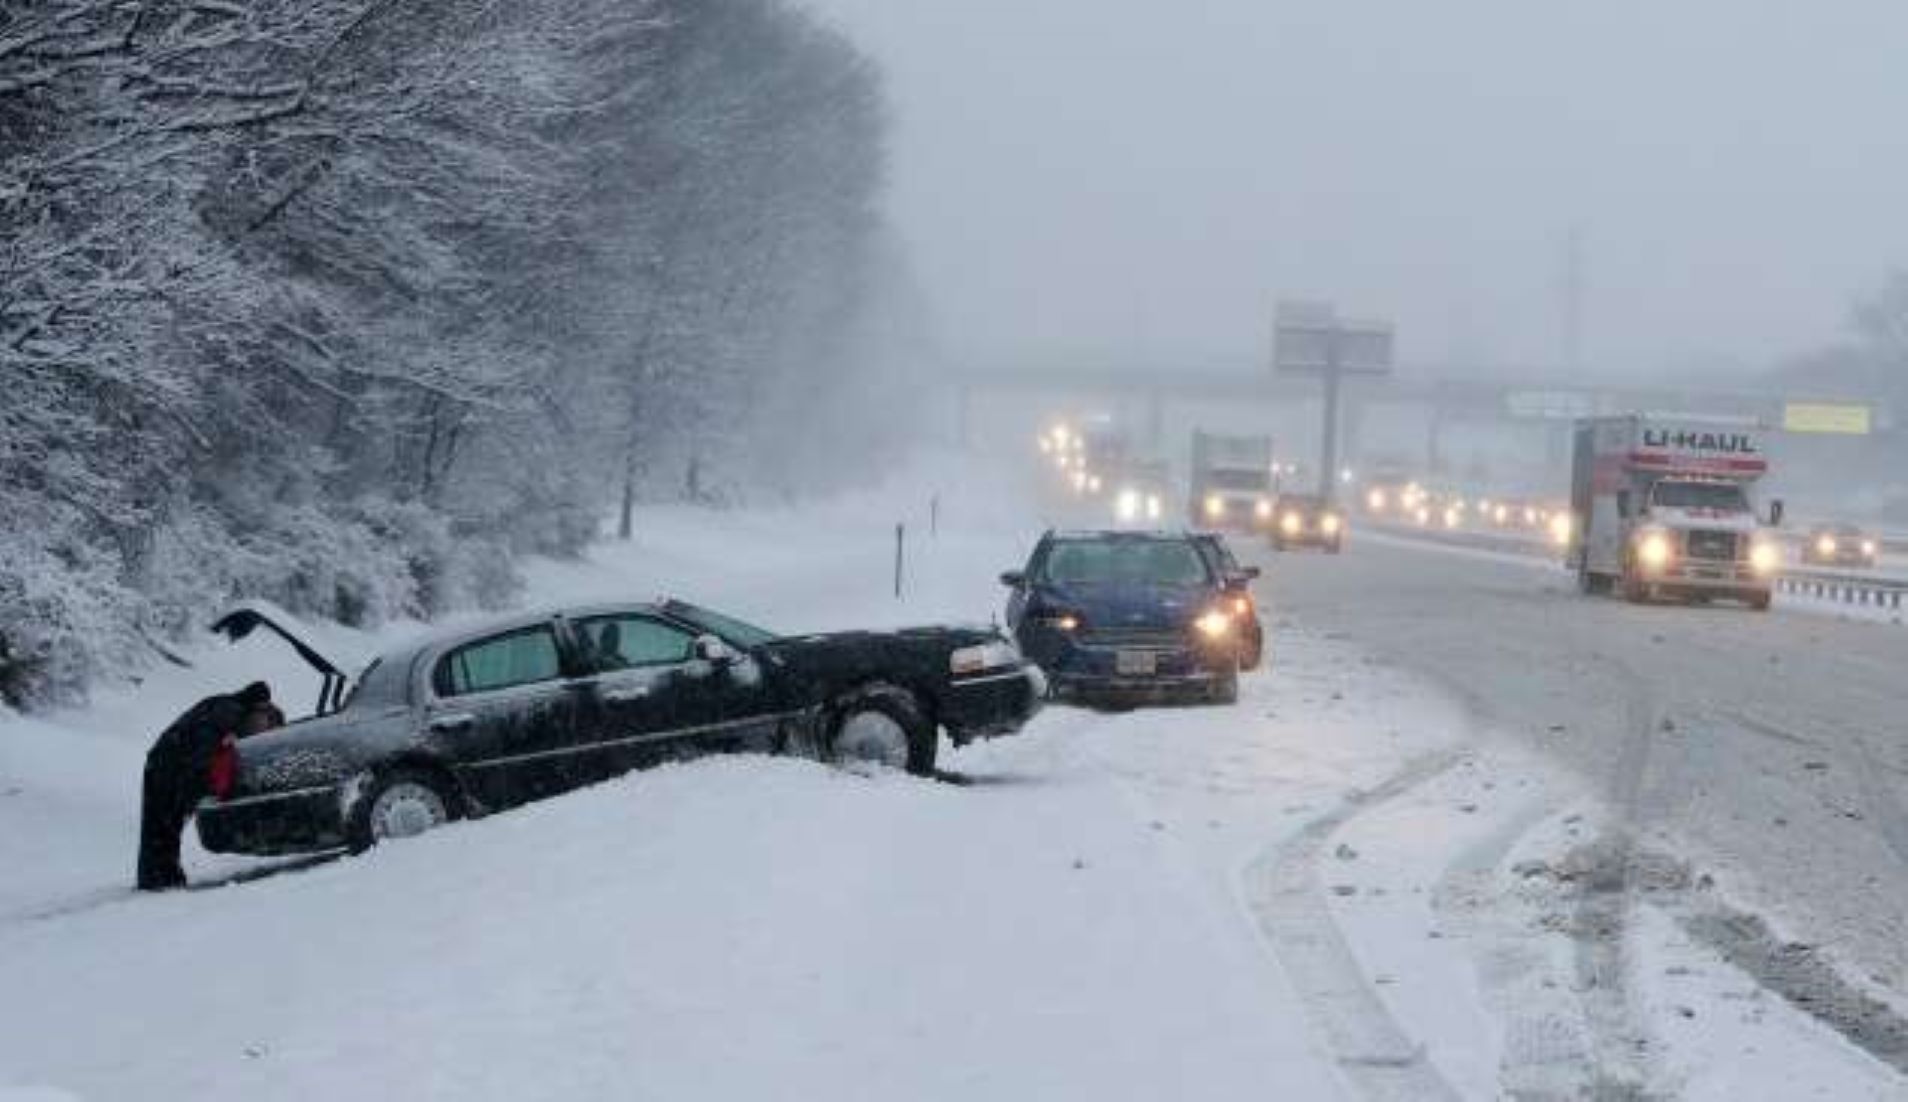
pixel 1331 524
pixel 986 656
pixel 1263 510
pixel 1765 557
pixel 1376 501
pixel 1654 551
pixel 1561 529
pixel 1215 505
pixel 1093 484
pixel 1154 507
pixel 1214 624
pixel 1453 516
pixel 1128 505
pixel 1869 548
pixel 1290 524
pixel 1826 545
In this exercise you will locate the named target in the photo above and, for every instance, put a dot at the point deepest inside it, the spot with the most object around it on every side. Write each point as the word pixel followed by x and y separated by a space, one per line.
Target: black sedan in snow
pixel 473 721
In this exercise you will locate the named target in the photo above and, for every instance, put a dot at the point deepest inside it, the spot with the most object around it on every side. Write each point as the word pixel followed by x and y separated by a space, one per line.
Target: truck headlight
pixel 1215 506
pixel 1290 524
pixel 1561 529
pixel 1331 524
pixel 1654 551
pixel 1765 557
pixel 1375 501
pixel 1215 624
pixel 1128 505
pixel 1263 510
pixel 1154 507
pixel 1869 548
pixel 985 656
pixel 1826 545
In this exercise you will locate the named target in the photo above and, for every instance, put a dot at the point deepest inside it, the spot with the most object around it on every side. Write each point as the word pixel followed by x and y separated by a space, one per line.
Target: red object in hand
pixel 221 774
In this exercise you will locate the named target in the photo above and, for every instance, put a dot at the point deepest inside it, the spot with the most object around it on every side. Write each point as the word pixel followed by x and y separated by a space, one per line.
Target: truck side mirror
pixel 1623 504
pixel 1775 513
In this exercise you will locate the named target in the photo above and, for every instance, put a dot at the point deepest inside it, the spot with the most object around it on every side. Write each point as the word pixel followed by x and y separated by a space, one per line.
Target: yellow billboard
pixel 1828 417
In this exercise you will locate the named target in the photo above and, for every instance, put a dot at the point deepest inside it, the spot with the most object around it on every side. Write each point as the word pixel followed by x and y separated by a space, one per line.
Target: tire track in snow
pixel 1284 893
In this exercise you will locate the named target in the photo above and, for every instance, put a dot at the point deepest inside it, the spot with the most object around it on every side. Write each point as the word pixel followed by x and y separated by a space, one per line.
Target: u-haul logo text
pixel 1721 443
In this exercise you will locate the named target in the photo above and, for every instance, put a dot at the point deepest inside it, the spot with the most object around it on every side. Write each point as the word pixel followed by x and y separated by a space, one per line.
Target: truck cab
pixel 1664 510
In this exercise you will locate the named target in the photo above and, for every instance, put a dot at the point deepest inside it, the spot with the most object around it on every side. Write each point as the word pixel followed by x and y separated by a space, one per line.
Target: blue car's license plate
pixel 1136 663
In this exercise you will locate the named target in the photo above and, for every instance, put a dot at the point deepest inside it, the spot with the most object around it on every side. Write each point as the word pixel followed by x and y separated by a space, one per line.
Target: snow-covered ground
pixel 1308 895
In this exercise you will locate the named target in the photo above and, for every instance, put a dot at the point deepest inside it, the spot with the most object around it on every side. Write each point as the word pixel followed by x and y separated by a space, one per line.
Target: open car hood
pixel 245 618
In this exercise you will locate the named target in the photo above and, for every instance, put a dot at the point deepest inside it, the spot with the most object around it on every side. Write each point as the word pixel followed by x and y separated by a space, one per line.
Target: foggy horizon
pixel 1429 166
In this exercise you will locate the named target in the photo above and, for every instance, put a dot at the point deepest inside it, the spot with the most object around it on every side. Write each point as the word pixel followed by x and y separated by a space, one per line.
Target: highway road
pixel 1763 757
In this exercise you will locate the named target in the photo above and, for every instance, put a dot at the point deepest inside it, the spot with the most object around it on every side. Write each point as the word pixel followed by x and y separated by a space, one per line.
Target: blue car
pixel 1118 612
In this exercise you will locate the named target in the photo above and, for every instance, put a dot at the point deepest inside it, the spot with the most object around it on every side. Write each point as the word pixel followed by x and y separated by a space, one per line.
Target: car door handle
pixel 626 696
pixel 456 721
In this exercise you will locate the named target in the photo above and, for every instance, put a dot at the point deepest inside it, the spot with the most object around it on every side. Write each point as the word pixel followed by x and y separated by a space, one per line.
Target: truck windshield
pixel 1237 480
pixel 1719 496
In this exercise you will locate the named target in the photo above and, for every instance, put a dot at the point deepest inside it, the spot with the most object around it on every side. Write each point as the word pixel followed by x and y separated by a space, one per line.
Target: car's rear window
pixel 1155 562
pixel 502 662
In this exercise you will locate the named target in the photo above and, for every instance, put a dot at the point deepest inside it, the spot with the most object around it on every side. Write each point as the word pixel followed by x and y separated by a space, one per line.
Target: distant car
pixel 1307 520
pixel 1840 545
pixel 1115 612
pixel 472 721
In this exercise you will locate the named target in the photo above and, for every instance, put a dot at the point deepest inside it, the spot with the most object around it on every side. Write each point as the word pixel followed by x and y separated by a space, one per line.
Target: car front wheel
pixel 882 726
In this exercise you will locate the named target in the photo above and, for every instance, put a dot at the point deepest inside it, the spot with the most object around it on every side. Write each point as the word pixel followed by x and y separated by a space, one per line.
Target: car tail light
pixel 221 773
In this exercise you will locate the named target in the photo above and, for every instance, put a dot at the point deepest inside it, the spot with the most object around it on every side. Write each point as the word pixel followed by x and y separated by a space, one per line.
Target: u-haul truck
pixel 1663 508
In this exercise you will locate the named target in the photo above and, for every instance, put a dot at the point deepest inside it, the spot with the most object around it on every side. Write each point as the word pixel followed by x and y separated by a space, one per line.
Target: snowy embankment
pixel 1113 906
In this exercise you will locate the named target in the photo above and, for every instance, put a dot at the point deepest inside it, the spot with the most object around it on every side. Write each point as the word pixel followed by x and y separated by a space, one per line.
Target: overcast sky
pixel 1147 176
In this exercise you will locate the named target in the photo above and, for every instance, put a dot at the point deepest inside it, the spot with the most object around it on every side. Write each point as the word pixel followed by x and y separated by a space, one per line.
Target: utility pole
pixel 1573 287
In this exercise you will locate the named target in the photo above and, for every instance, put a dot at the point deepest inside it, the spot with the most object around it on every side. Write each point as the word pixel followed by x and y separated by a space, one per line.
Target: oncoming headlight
pixel 1154 507
pixel 1654 550
pixel 1765 557
pixel 1290 523
pixel 1215 506
pixel 1214 624
pixel 985 656
pixel 1331 524
pixel 1826 545
pixel 1263 510
pixel 1128 506
pixel 1870 548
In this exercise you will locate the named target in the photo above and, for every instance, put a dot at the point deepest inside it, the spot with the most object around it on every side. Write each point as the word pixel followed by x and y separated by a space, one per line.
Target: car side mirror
pixel 1014 579
pixel 1623 504
pixel 1776 510
pixel 714 651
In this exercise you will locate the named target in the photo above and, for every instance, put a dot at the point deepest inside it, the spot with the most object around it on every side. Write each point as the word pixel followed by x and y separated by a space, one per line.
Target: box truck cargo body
pixel 1663 506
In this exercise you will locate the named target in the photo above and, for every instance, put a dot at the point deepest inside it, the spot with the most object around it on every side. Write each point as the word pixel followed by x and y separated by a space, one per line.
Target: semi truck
pixel 1662 507
pixel 1231 484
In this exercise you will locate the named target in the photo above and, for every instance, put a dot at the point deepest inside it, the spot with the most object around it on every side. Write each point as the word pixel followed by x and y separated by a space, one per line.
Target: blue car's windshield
pixel 1146 562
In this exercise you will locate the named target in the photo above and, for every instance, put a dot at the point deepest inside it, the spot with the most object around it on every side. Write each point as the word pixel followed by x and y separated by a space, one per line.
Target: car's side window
pixel 627 642
pixel 501 662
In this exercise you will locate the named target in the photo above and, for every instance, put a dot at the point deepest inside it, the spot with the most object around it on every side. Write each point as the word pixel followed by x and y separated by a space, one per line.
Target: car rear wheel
pixel 402 803
pixel 883 727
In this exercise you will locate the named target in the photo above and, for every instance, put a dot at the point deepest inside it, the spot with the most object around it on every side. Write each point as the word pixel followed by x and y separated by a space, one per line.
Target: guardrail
pixel 1857 588
pixel 1845 588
